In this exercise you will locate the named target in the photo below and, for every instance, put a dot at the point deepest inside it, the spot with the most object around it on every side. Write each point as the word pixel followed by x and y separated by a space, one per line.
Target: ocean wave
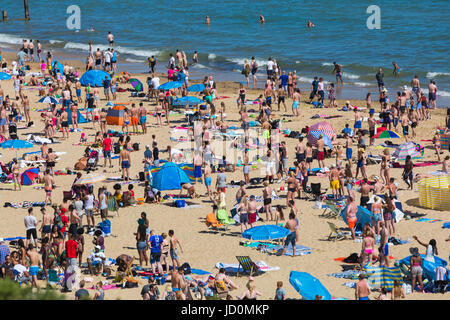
pixel 200 66
pixel 211 56
pixel 241 61
pixel 134 60
pixel 55 41
pixel 362 84
pixel 11 39
pixel 305 79
pixel 326 64
pixel 443 93
pixel 350 76
pixel 120 50
pixel 437 74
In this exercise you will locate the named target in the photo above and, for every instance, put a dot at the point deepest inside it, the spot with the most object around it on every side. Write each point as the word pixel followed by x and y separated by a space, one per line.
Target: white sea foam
pixel 437 74
pixel 55 41
pixel 305 79
pixel 362 84
pixel 327 64
pixel 350 75
pixel 211 56
pixel 134 60
pixel 122 50
pixel 241 61
pixel 11 39
pixel 200 66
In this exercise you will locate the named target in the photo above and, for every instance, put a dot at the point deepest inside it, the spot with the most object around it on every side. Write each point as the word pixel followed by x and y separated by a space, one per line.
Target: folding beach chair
pixel 334 209
pixel 316 191
pixel 112 204
pixel 121 278
pixel 336 232
pixel 211 222
pixel 248 265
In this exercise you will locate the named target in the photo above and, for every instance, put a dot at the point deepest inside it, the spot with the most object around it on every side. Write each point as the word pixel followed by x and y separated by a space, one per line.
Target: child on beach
pixel 280 293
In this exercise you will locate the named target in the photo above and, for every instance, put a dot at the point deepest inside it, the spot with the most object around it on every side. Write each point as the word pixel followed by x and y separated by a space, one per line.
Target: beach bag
pixel 136 146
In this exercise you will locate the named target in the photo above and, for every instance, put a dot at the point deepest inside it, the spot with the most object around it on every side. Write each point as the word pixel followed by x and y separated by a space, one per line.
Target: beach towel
pixel 199 272
pixel 233 267
pixel 106 287
pixel 299 250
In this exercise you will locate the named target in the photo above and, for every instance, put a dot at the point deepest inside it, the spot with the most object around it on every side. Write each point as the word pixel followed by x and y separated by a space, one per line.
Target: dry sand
pixel 202 248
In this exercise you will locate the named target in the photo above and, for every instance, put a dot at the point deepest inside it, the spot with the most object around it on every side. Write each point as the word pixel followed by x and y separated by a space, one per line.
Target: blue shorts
pixel 197 171
pixel 348 153
pixel 291 238
pixel 386 250
pixel 125 164
pixel 107 154
pixel 364 298
pixel 357 125
pixel 141 245
pixel 208 181
pixel 174 254
pixel 78 92
pixel 142 120
pixel 3 122
pixel 295 105
pixel 34 270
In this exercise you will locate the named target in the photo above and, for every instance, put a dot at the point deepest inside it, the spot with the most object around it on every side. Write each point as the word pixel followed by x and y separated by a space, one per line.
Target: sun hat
pixel 98 247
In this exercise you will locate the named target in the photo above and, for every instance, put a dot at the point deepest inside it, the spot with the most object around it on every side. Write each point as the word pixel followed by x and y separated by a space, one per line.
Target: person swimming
pixel 261 18
pixel 310 24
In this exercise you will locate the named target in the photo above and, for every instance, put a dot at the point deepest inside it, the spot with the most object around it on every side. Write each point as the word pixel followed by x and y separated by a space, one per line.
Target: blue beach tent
pixel 94 77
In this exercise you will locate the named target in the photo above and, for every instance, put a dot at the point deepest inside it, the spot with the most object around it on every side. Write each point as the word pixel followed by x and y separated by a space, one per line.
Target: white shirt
pixel 97 256
pixel 270 65
pixel 108 56
pixel 79 206
pixel 30 222
pixel 320 86
pixel 171 60
pixel 155 82
pixel 20 269
pixel 429 254
pixel 89 203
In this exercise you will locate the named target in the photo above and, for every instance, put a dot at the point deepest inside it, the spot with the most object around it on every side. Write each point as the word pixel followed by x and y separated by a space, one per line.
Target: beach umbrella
pixel 16 144
pixel 136 84
pixel 387 134
pixel 91 178
pixel 266 232
pixel 28 176
pixel 4 76
pixel 324 127
pixel 313 136
pixel 379 277
pixel 169 177
pixel 362 217
pixel 170 85
pixel 187 101
pixel 308 286
pixel 48 99
pixel 196 88
pixel 406 149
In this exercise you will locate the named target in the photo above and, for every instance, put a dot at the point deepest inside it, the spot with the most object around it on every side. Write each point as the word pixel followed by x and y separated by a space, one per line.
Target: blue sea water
pixel 415 34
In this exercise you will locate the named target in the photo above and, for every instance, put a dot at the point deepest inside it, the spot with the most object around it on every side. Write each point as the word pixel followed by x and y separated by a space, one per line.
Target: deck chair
pixel 211 222
pixel 53 278
pixel 112 204
pixel 126 274
pixel 316 191
pixel 333 208
pixel 222 216
pixel 247 264
pixel 335 233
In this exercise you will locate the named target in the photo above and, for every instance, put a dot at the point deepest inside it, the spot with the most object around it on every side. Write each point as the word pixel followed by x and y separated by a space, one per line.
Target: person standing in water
pixel 261 18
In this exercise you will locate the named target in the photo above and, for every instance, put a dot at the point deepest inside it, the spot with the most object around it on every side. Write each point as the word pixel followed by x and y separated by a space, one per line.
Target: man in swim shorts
pixel 291 238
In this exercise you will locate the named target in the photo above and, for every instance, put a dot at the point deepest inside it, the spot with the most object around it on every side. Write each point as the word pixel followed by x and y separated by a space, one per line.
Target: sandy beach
pixel 202 247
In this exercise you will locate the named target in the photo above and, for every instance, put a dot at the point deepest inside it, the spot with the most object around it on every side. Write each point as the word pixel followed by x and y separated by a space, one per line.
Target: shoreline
pixel 350 91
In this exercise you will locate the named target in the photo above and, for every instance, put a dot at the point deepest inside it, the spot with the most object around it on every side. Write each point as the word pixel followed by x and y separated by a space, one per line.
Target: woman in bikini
pixel 292 186
pixel 389 208
pixel 16 174
pixel 368 244
pixel 397 292
pixel 437 144
pixel 165 246
pixel 158 111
